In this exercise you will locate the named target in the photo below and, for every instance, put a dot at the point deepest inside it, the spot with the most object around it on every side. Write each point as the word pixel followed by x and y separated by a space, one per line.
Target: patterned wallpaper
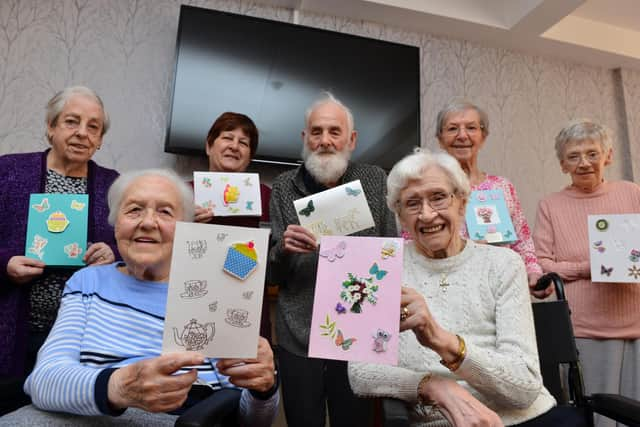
pixel 125 50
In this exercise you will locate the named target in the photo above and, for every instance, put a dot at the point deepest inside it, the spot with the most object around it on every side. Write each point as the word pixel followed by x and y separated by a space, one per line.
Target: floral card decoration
pixel 356 308
pixel 214 301
pixel 227 193
pixel 488 218
pixel 614 248
pixel 57 229
pixel 339 211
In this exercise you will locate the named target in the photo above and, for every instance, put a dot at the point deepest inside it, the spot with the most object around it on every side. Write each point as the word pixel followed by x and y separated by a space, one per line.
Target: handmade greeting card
pixel 339 211
pixel 488 217
pixel 216 283
pixel 614 248
pixel 356 308
pixel 57 228
pixel 229 194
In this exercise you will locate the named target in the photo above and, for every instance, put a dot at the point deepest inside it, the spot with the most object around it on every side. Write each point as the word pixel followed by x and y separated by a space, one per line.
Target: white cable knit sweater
pixel 487 303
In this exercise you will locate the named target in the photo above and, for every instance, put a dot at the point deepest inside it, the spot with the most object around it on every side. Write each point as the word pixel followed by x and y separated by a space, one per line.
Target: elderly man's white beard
pixel 326 165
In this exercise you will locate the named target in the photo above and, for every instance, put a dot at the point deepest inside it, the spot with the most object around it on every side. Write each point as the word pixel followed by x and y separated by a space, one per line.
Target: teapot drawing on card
pixel 195 336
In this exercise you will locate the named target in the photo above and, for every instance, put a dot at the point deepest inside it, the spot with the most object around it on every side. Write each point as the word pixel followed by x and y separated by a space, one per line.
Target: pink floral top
pixel 524 246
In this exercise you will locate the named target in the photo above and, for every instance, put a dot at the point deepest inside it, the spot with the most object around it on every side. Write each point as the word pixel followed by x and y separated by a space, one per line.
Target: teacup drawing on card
pixel 238 317
pixel 194 289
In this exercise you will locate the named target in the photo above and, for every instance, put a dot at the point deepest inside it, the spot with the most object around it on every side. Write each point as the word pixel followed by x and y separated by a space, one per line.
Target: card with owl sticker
pixel 338 211
pixel 57 228
pixel 227 193
pixel 614 248
pixel 356 308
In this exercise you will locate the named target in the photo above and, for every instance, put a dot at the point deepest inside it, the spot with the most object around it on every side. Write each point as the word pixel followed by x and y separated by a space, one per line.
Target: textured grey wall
pixel 124 49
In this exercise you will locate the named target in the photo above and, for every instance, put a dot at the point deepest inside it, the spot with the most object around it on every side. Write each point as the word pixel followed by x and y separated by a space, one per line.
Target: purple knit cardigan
pixel 20 176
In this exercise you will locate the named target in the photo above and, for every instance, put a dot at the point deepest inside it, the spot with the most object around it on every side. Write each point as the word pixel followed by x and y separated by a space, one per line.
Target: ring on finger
pixel 404 313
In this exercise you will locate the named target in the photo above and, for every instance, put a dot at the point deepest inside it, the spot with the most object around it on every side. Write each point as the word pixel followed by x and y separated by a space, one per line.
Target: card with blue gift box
pixel 57 229
pixel 488 217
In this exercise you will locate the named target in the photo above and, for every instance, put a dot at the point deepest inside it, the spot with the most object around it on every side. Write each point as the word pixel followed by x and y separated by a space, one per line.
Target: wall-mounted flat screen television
pixel 272 71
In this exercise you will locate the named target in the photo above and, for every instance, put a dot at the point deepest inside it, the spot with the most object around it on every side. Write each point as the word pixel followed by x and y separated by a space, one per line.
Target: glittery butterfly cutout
pixel 340 309
pixel 247 182
pixel 598 246
pixel 78 206
pixel 307 211
pixel 342 342
pixel 42 206
pixel 337 252
pixel 352 192
pixel 250 205
pixel 389 250
pixel 206 182
pixel 375 270
pixel 606 271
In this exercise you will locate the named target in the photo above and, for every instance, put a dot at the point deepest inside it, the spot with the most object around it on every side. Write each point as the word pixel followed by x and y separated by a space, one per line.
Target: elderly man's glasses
pixel 436 201
pixel 454 130
pixel 576 158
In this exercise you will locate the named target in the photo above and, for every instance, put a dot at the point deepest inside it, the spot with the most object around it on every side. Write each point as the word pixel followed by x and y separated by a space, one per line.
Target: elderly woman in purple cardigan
pixel 29 291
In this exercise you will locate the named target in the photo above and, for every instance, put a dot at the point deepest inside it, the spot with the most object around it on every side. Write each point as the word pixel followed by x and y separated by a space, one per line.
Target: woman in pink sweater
pixel 606 316
pixel 462 128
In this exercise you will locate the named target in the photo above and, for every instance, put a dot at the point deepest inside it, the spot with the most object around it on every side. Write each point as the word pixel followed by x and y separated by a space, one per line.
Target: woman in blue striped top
pixel 103 353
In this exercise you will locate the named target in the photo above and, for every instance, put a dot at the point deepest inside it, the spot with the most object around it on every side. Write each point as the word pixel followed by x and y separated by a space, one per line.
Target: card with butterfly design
pixel 614 247
pixel 228 193
pixel 339 211
pixel 356 307
pixel 57 228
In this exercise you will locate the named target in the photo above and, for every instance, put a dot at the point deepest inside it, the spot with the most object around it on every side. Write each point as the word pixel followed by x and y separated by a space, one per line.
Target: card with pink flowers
pixel 356 308
pixel 488 217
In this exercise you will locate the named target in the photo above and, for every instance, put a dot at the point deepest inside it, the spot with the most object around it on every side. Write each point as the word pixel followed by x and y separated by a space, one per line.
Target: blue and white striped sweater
pixel 107 319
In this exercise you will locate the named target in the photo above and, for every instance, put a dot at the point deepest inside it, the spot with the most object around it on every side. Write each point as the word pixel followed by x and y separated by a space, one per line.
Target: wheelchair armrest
pixel 394 413
pixel 616 407
pixel 211 410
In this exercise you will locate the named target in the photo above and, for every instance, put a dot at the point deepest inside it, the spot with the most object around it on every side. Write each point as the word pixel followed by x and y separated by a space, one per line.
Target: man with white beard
pixel 308 384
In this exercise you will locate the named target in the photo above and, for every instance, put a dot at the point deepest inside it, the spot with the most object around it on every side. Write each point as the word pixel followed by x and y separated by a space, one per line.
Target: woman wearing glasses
pixel 462 129
pixel 605 316
pixel 471 358
pixel 75 125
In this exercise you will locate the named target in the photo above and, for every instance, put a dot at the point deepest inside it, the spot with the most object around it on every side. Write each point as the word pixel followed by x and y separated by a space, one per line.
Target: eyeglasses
pixel 576 158
pixel 93 129
pixel 436 201
pixel 470 129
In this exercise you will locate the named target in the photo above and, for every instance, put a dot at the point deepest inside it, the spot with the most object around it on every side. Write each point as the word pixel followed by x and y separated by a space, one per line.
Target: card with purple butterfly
pixel 614 247
pixel 356 308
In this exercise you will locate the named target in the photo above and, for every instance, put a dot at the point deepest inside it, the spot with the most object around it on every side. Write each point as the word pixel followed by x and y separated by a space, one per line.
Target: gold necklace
pixel 444 284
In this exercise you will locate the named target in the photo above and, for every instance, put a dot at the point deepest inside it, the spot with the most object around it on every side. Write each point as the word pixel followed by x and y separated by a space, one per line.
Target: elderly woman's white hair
pixel 582 130
pixel 458 105
pixel 57 102
pixel 411 168
pixel 124 181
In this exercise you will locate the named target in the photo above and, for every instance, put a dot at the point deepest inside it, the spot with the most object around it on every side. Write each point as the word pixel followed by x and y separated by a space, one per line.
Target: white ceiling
pixel 603 33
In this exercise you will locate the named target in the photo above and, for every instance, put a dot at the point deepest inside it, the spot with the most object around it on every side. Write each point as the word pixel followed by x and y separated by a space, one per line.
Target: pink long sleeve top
pixel 599 310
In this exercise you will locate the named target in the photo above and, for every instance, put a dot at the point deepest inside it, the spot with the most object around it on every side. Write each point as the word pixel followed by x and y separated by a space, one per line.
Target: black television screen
pixel 272 71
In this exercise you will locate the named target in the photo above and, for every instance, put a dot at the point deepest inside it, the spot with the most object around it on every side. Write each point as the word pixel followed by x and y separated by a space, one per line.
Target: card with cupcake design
pixel 214 301
pixel 488 218
pixel 227 193
pixel 57 228
pixel 614 247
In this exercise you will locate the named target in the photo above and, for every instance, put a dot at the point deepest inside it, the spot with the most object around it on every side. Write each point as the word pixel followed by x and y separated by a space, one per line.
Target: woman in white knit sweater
pixel 472 357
